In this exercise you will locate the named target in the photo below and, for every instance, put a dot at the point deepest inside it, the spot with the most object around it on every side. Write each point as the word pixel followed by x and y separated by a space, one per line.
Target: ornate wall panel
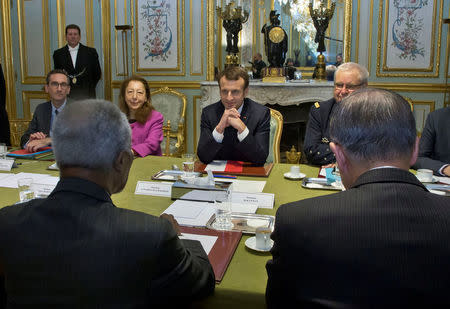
pixel 31 99
pixel 33 40
pixel 196 37
pixel 409 38
pixel 421 111
pixel 79 13
pixel 159 37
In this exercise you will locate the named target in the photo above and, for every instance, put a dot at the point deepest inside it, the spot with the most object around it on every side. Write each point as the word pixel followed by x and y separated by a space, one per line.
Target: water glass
pixel 222 203
pixel 25 191
pixel 3 151
pixel 188 162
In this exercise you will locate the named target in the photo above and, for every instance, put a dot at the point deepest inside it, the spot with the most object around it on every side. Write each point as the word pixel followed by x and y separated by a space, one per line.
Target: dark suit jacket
pixel 316 150
pixel 254 148
pixel 41 122
pixel 87 59
pixel 4 121
pixel 434 147
pixel 76 248
pixel 383 243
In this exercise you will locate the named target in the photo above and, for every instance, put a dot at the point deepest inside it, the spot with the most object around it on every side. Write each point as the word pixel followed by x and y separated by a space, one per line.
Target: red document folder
pixel 248 169
pixel 222 251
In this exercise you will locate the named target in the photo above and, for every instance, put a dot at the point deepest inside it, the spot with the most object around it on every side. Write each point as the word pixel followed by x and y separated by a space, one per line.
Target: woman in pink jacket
pixel 146 123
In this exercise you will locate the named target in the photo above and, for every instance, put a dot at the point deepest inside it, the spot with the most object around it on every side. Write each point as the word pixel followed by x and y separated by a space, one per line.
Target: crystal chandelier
pixel 302 20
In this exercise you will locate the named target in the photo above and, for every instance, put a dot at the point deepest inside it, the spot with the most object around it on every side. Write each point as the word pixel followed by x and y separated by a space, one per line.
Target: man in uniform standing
pixel 80 62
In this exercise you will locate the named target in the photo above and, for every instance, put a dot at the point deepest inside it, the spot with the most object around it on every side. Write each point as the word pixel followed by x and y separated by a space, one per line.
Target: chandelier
pixel 301 19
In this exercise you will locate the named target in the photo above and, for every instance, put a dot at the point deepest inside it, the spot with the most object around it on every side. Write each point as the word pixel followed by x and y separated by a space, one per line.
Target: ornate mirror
pixel 295 20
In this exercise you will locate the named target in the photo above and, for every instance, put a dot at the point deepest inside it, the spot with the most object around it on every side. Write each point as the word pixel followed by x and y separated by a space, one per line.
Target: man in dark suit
pixel 80 62
pixel 382 243
pixel 348 77
pixel 77 249
pixel 235 128
pixel 434 146
pixel 4 121
pixel 38 133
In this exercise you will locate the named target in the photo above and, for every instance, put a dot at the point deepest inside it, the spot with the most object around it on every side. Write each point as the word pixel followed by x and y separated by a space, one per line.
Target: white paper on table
pixel 445 180
pixel 5 175
pixel 262 200
pixel 191 213
pixel 11 181
pixel 245 208
pixel 216 166
pixel 239 185
pixel 153 188
pixel 207 241
pixel 6 164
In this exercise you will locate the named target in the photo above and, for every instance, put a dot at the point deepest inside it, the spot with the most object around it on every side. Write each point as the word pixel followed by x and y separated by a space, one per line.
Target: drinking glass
pixel 3 151
pixel 222 203
pixel 188 162
pixel 25 192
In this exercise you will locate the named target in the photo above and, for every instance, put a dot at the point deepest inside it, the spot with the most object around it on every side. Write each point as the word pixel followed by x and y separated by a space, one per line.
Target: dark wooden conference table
pixel 244 282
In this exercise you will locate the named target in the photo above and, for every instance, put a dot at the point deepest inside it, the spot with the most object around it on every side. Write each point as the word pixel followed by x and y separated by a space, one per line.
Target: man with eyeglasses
pixel 235 128
pixel 348 77
pixel 38 134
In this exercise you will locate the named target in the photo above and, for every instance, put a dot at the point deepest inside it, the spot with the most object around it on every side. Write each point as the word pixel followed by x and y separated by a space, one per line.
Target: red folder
pixel 248 169
pixel 234 166
pixel 222 251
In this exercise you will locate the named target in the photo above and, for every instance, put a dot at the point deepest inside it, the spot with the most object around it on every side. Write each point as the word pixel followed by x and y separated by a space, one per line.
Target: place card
pixel 153 188
pixel 6 165
pixel 262 200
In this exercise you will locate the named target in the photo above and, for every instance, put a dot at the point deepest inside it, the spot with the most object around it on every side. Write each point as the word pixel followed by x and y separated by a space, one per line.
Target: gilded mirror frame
pixel 211 43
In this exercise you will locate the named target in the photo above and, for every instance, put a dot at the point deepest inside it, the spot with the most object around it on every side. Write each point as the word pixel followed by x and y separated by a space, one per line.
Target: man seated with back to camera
pixel 38 134
pixel 348 77
pixel 235 128
pixel 379 244
pixel 434 146
pixel 76 248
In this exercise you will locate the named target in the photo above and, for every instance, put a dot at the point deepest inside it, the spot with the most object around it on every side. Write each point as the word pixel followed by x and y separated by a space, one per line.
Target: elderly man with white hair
pixel 76 248
pixel 347 78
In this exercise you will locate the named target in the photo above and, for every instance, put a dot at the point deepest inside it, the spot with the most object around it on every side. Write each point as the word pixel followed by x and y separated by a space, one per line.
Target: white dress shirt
pixel 73 53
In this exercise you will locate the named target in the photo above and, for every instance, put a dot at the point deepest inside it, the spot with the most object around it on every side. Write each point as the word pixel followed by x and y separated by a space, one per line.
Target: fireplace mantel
pixel 289 93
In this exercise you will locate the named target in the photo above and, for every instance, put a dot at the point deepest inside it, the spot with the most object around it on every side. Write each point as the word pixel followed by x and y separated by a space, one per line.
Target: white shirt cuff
pixel 217 136
pixel 243 134
pixel 441 170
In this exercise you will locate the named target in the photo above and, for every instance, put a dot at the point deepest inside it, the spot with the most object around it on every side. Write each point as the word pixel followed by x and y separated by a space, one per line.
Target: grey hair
pixel 90 134
pixel 374 125
pixel 352 66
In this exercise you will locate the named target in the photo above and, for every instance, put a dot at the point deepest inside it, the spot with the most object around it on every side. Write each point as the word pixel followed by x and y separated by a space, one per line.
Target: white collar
pixel 73 48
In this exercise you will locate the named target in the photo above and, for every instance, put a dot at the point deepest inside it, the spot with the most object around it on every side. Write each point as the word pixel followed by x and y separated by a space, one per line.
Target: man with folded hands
pixel 76 249
pixel 235 128
pixel 39 130
pixel 382 243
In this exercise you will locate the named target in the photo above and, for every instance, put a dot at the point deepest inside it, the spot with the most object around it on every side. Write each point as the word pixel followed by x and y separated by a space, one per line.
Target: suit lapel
pixel 48 117
pixel 79 62
pixel 68 58
pixel 245 114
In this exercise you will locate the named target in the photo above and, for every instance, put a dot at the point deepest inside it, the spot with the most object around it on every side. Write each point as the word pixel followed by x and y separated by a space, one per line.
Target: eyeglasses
pixel 349 87
pixel 56 85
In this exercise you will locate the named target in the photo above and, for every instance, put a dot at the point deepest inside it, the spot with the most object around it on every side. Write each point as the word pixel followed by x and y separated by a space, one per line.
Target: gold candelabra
pixel 232 19
pixel 321 18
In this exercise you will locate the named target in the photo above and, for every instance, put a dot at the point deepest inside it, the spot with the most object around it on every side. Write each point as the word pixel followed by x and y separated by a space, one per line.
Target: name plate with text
pixel 262 200
pixel 153 188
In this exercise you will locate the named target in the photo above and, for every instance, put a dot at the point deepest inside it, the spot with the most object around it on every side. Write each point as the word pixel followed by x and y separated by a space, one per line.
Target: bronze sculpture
pixel 275 41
